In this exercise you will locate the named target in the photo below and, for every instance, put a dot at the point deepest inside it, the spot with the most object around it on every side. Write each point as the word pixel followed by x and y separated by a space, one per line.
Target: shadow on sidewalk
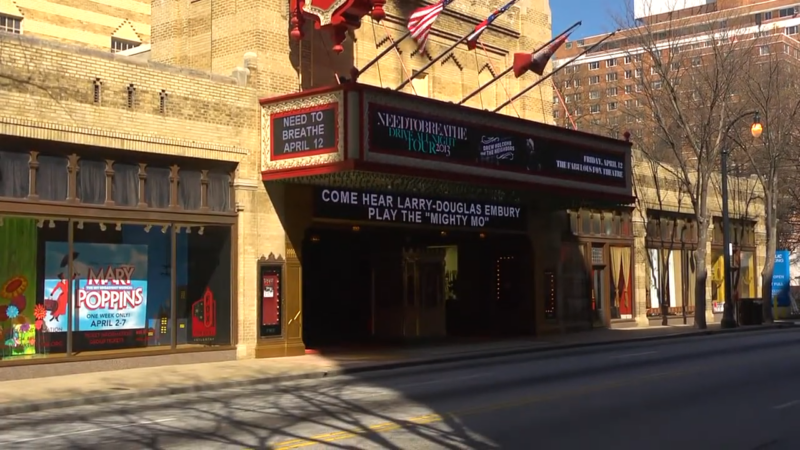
pixel 296 414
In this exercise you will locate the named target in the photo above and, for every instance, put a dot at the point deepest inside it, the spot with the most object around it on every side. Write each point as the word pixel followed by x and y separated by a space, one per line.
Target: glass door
pixel 599 287
pixel 424 306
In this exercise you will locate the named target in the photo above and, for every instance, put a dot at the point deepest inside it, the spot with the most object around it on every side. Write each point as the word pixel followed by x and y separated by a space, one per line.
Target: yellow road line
pixel 433 418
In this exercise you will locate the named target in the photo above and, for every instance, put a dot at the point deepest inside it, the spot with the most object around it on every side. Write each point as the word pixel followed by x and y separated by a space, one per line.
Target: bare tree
pixel 772 89
pixel 687 82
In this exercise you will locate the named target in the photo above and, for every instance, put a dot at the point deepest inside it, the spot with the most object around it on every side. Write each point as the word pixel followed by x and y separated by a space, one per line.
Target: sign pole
pixel 510 68
pixel 382 54
pixel 546 77
pixel 475 32
pixel 432 62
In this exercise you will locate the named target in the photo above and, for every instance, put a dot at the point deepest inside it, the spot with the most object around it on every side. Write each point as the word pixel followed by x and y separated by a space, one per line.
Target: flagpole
pixel 510 68
pixel 546 77
pixel 490 82
pixel 433 61
pixel 384 52
pixel 466 37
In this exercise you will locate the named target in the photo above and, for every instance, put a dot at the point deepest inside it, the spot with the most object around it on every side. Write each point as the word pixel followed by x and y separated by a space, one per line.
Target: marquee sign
pixel 405 133
pixel 304 132
pixel 348 204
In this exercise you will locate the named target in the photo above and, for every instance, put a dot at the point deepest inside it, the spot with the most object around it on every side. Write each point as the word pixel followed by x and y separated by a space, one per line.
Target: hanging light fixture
pixel 40 223
pixel 80 224
pixel 102 226
pixel 201 230
pixel 52 223
pixel 147 228
pixel 164 229
pixel 118 227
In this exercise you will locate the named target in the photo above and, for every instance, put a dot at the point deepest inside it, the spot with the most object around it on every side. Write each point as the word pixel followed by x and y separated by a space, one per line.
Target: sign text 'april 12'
pixel 304 131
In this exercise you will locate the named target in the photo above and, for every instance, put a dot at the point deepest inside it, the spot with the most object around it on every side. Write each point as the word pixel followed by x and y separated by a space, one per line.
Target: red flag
pixel 472 39
pixel 421 21
pixel 536 62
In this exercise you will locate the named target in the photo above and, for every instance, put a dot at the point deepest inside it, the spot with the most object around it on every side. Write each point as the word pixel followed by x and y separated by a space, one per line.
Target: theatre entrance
pixel 391 284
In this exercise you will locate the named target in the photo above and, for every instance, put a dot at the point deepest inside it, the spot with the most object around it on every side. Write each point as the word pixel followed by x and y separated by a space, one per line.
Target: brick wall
pixel 85 22
pixel 48 93
pixel 215 36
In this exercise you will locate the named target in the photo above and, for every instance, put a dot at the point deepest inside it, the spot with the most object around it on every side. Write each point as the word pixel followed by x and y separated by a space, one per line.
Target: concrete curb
pixel 421 363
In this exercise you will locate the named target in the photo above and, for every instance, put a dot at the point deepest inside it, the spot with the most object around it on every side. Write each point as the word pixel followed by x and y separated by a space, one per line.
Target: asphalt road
pixel 732 392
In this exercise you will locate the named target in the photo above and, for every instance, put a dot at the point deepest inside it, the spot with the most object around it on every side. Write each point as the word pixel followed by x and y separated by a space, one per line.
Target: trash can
pixel 745 308
pixel 758 312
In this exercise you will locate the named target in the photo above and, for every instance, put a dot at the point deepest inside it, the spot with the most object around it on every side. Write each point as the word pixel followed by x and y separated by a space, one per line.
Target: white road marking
pixel 91 430
pixel 787 405
pixel 631 355
pixel 445 380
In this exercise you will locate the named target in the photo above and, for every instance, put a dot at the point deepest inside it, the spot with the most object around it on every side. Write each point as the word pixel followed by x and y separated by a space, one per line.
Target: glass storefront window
pixel 111 287
pixel 14 174
pixel 203 278
pixel 747 275
pixel 22 312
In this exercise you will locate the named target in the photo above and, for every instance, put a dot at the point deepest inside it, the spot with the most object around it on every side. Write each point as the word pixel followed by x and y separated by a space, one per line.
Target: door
pixel 423 292
pixel 599 300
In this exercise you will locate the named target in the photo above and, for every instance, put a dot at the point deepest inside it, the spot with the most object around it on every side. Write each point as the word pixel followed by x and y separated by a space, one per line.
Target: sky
pixel 597 16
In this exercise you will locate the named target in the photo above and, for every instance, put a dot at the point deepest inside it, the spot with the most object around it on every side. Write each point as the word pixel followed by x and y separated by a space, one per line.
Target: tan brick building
pixel 215 194
pixel 109 25
pixel 154 157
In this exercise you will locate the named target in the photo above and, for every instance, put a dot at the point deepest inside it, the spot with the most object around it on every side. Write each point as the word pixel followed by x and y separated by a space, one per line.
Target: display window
pixel 88 286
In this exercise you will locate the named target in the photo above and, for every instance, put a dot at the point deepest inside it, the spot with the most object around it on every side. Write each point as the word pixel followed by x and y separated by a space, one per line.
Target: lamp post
pixel 728 319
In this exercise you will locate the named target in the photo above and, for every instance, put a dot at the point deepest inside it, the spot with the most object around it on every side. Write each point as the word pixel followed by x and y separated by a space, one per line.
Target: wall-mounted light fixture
pixel 80 225
pixel 201 231
pixel 40 223
pixel 118 227
pixel 147 228
pixel 102 226
pixel 164 229
pixel 52 224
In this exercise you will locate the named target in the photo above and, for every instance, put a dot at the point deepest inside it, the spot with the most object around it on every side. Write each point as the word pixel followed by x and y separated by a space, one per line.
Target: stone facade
pixel 49 93
pixel 665 195
pixel 185 35
pixel 83 22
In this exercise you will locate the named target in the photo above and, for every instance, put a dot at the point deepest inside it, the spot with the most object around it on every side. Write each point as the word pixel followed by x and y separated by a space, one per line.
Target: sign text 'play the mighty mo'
pixel 412 209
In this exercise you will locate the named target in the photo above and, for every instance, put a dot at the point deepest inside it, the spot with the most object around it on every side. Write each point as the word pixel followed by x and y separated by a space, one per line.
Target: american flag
pixel 421 21
pixel 472 39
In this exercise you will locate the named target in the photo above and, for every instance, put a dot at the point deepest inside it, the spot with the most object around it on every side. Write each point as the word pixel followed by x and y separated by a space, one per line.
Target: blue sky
pixel 597 16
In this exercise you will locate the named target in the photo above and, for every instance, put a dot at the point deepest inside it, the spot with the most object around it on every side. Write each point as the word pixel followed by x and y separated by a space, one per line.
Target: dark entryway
pixel 383 284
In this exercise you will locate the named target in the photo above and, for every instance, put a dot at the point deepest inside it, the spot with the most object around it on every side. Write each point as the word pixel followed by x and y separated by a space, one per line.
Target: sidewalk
pixel 30 395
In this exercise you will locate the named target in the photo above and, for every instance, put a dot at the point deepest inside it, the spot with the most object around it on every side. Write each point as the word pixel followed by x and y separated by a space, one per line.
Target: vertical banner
pixel 270 305
pixel 781 277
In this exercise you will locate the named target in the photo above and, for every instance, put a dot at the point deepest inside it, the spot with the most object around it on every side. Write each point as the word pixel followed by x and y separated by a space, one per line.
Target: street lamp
pixel 728 319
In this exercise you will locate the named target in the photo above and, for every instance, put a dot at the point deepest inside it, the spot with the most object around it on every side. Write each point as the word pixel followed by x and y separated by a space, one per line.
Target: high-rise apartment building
pixel 604 91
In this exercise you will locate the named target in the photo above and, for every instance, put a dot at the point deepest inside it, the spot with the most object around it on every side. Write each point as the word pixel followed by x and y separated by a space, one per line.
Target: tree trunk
pixel 663 287
pixel 769 260
pixel 700 276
